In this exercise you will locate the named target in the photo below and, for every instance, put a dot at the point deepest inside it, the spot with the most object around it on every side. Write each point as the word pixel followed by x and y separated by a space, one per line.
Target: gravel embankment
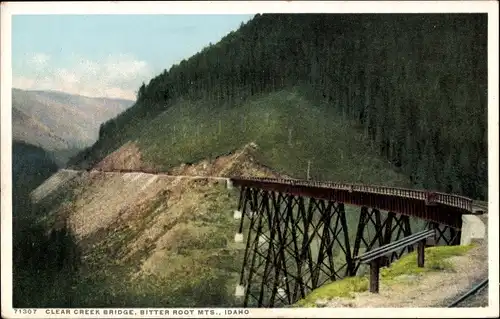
pixel 478 299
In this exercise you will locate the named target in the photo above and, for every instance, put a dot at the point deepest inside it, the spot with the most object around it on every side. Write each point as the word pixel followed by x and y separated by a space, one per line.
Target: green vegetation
pixel 435 260
pixel 31 165
pixel 415 83
pixel 45 265
pixel 342 289
pixel 62 156
pixel 289 132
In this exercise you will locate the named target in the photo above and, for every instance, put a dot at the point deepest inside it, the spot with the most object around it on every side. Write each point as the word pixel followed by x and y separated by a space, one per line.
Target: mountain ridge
pixel 57 92
pixel 47 118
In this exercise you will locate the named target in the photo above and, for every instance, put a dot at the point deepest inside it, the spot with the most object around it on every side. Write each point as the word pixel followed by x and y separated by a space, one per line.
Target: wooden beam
pixel 374 275
pixel 421 253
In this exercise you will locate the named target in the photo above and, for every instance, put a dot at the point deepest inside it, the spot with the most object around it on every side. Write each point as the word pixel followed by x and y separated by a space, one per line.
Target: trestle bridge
pixel 302 234
pixel 299 234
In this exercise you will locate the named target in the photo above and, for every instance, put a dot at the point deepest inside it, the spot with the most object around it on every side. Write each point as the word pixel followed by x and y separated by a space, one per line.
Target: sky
pixel 107 55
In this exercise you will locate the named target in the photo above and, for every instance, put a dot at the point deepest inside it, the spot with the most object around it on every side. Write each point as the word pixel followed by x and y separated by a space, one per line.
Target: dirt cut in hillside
pixel 127 157
pixel 242 163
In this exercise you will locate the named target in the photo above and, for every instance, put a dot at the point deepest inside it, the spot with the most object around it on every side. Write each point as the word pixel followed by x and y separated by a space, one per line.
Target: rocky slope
pixel 153 225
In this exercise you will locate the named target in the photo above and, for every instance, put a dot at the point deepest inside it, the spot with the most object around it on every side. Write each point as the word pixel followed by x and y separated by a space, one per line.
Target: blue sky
pixel 107 55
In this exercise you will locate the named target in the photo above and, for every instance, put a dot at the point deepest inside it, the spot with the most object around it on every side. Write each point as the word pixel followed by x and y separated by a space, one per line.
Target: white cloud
pixel 117 76
pixel 38 60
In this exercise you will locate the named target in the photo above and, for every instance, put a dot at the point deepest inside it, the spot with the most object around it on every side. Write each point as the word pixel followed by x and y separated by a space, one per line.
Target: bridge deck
pixel 432 206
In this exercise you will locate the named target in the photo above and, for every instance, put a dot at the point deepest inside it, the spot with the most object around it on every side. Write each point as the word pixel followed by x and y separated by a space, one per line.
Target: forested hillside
pixel 415 84
pixel 31 165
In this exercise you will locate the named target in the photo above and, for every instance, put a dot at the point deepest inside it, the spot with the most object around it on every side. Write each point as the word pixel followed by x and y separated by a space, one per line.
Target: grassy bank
pixel 435 260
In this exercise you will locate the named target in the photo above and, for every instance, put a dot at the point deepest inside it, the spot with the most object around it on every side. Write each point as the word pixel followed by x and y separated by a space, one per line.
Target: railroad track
pixel 159 174
pixel 456 201
pixel 469 294
pixel 431 197
pixel 480 206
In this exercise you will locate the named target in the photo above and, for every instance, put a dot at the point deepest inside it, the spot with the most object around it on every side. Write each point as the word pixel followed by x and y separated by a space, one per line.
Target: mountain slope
pixel 29 129
pixel 152 226
pixel 415 83
pixel 292 132
pixel 293 135
pixel 168 238
pixel 47 129
pixel 55 120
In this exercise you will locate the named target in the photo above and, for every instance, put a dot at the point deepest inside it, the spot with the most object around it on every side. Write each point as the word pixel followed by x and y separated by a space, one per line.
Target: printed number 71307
pixel 25 311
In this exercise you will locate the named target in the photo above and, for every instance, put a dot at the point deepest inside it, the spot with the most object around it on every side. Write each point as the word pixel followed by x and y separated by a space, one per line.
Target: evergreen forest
pixel 415 84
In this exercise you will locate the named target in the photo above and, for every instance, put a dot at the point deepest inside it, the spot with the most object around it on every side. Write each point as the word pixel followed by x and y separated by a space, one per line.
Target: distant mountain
pixel 59 121
pixel 28 129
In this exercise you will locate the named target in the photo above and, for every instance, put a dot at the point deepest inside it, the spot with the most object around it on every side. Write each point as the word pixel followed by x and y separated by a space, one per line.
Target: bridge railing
pixel 430 197
pixel 374 257
pixel 454 200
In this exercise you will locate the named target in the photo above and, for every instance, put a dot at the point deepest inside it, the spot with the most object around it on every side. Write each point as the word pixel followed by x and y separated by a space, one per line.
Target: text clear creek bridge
pixel 297 235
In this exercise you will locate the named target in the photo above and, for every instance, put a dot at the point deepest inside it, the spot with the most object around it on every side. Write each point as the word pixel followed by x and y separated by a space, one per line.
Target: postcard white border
pixel 245 7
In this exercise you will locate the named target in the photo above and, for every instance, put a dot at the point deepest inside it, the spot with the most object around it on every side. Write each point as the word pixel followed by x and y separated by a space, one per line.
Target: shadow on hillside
pixel 48 272
pixel 45 265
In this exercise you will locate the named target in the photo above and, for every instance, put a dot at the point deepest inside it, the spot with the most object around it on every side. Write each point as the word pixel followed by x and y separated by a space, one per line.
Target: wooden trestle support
pixel 385 230
pixel 295 244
